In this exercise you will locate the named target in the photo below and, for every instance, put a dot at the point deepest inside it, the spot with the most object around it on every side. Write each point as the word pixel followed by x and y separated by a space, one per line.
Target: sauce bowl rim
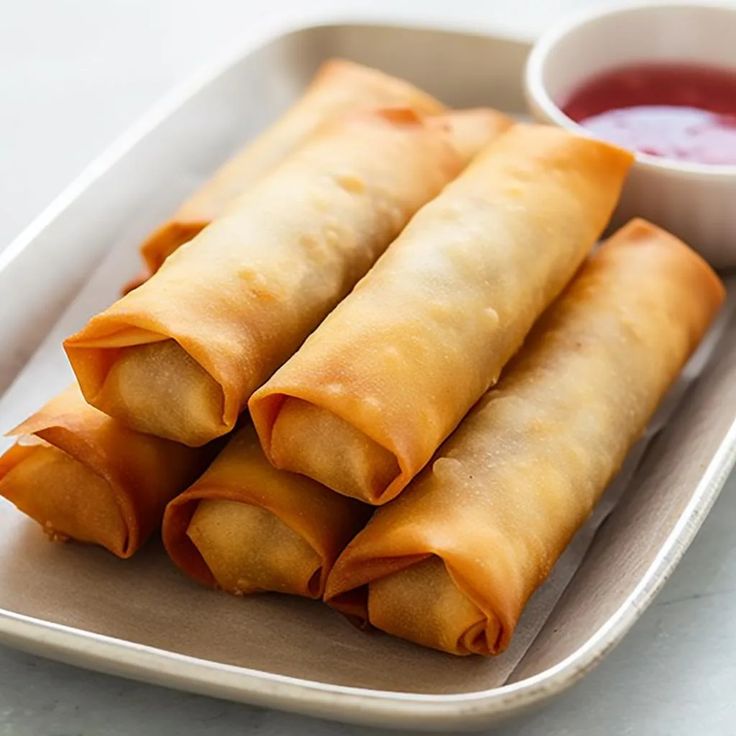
pixel 540 101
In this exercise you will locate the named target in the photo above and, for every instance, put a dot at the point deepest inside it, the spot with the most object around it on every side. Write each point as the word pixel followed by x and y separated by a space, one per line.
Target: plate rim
pixel 369 705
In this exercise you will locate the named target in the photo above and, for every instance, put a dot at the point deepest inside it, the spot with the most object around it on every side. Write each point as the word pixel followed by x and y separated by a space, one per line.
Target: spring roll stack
pixel 82 475
pixel 358 278
pixel 244 526
pixel 86 476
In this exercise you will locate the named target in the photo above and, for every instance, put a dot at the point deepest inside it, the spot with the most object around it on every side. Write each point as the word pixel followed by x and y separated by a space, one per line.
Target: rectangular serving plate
pixel 140 618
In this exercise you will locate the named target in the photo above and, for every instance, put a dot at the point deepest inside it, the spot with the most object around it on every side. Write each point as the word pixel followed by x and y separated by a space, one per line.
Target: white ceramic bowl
pixel 697 202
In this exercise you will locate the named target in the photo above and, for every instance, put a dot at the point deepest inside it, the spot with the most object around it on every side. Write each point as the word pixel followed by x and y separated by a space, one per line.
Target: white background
pixel 74 74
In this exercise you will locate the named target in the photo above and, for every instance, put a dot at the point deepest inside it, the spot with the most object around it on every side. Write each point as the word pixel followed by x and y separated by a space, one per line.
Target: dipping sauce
pixel 678 111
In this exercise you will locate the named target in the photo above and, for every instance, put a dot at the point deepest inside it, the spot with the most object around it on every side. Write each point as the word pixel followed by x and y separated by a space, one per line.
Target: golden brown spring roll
pixel 338 87
pixel 246 527
pixel 393 369
pixel 468 131
pixel 179 356
pixel 84 476
pixel 451 563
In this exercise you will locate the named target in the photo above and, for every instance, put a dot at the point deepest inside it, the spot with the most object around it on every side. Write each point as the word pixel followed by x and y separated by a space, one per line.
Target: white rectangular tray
pixel 141 618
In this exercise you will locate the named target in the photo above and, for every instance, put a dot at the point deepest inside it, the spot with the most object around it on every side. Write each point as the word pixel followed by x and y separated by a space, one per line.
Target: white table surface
pixel 75 74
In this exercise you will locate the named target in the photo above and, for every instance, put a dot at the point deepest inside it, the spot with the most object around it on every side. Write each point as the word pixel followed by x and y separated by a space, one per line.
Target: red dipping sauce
pixel 678 111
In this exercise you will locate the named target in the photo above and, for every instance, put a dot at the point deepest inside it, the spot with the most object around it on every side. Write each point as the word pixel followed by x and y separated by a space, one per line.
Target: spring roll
pixel 393 369
pixel 338 87
pixel 451 563
pixel 468 130
pixel 179 356
pixel 246 527
pixel 84 476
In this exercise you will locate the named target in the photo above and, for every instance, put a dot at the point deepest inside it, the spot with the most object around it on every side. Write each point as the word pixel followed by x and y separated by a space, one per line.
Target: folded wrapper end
pixel 419 600
pixel 66 498
pixel 361 468
pixel 179 547
pixel 184 390
pixel 82 475
pixel 246 527
pixel 122 380
pixel 240 548
pixel 249 549
pixel 423 603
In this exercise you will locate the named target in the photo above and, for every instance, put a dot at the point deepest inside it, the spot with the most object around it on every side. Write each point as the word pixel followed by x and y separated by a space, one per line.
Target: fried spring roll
pixel 179 356
pixel 246 527
pixel 393 369
pixel 84 476
pixel 338 87
pixel 451 563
